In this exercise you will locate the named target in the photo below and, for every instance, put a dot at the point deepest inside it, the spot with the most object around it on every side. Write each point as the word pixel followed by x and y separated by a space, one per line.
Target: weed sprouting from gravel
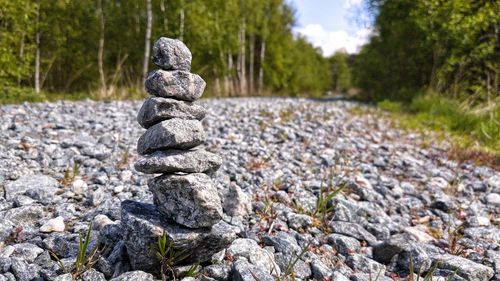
pixel 169 256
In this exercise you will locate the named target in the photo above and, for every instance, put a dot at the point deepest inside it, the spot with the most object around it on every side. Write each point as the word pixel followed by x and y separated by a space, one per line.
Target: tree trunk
pixel 228 82
pixel 21 57
pixel 147 41
pixel 251 67
pixel 241 65
pixel 163 8
pixel 261 65
pixel 37 54
pixel 181 21
pixel 100 52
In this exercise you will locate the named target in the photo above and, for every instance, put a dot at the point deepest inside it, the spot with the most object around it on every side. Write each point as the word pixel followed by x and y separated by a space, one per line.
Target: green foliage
pixel 170 256
pixel 451 47
pixel 468 123
pixel 225 36
pixel 340 71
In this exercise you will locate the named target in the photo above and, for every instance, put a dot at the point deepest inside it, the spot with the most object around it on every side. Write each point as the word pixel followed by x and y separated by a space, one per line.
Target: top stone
pixel 171 54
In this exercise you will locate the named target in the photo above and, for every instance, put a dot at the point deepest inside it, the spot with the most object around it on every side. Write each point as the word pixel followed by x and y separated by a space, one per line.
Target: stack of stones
pixel 187 207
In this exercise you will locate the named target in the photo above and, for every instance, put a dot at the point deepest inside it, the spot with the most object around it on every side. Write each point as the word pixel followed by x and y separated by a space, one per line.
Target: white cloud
pixel 331 41
pixel 352 3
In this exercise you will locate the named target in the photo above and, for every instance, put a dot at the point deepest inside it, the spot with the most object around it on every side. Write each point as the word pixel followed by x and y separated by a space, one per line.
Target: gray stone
pixel 92 275
pixel 26 251
pixel 180 85
pixel 142 225
pixel 171 54
pixel 190 200
pixel 283 243
pixel 236 202
pixel 465 268
pixel 155 109
pixel 217 271
pixel 64 277
pixel 353 230
pixel 299 221
pixel 301 269
pixel 320 271
pixel 251 251
pixel 171 134
pixel 364 264
pixel 134 275
pixel 173 161
pixel 24 271
pixel 38 187
pixel 343 244
pixel 242 270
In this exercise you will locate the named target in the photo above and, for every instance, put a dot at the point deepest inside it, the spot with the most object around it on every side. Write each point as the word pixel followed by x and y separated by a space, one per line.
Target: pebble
pixel 53 225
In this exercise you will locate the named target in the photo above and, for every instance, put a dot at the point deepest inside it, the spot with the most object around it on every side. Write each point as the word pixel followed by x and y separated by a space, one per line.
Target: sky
pixel 332 25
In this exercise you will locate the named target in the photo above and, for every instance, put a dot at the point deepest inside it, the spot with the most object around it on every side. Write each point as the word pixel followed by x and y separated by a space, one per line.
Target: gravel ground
pixel 315 192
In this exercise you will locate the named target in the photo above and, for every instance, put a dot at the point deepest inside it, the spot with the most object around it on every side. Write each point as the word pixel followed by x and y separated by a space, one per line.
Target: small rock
pixel 38 187
pixel 364 264
pixel 465 268
pixel 135 276
pixel 79 186
pixel 100 221
pixel 53 225
pixel 493 199
pixel 343 244
pixel 244 271
pixel 353 230
pixel 92 275
pixel 236 202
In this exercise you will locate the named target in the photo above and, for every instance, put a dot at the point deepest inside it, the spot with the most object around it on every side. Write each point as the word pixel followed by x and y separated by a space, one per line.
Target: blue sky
pixel 332 25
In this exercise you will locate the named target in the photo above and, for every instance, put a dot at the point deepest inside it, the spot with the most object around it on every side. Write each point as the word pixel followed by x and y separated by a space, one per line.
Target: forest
pixel 247 47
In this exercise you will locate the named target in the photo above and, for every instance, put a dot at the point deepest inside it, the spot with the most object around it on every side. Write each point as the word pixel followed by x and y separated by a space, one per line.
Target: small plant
pixel 193 271
pixel 124 160
pixel 70 175
pixel 322 209
pixel 454 235
pixel 286 115
pixel 289 271
pixel 84 261
pixel 169 256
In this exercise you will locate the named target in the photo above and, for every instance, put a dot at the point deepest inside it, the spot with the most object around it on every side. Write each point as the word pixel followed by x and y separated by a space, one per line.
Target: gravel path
pixel 395 205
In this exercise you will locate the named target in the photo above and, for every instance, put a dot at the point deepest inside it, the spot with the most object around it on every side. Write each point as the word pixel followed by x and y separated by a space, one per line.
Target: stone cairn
pixel 187 207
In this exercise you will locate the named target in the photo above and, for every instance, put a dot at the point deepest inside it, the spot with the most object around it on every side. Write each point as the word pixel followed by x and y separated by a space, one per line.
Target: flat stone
pixel 38 187
pixel 190 200
pixel 180 85
pixel 353 230
pixel 155 110
pixel 171 54
pixel 244 271
pixel 142 226
pixel 173 161
pixel 465 268
pixel 171 134
pixel 134 275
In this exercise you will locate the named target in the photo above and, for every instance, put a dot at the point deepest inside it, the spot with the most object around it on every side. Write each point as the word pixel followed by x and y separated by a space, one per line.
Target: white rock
pixel 118 189
pixel 126 175
pixel 100 221
pixel 53 225
pixel 419 234
pixel 493 199
pixel 7 251
pixel 79 186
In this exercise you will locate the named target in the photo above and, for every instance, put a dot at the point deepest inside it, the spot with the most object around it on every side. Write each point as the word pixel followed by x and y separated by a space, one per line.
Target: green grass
pixel 14 95
pixel 471 127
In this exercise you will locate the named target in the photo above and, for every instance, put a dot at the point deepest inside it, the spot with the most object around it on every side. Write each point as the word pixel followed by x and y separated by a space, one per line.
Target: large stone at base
pixel 174 161
pixel 191 200
pixel 173 133
pixel 142 225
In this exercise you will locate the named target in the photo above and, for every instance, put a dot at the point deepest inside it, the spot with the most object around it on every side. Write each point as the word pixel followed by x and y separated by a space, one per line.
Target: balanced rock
pixel 155 110
pixel 190 200
pixel 171 54
pixel 185 161
pixel 143 225
pixel 179 85
pixel 171 134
